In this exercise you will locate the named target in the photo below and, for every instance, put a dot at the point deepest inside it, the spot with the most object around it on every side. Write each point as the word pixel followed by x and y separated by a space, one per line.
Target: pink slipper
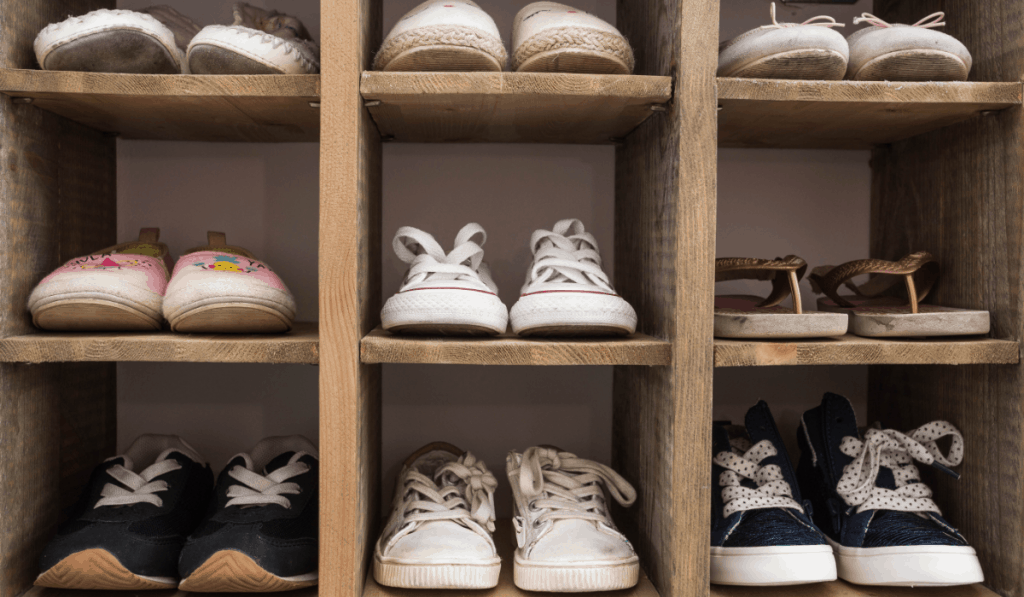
pixel 224 289
pixel 120 288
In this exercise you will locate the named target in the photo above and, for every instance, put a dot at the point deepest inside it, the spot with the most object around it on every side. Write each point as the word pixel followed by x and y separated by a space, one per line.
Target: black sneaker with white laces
pixel 127 529
pixel 261 532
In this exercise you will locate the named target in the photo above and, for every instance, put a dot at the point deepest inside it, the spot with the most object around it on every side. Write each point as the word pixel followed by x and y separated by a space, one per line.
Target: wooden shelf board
pixel 510 107
pixel 847 114
pixel 507 349
pixel 843 589
pixel 300 346
pixel 44 592
pixel 854 350
pixel 246 108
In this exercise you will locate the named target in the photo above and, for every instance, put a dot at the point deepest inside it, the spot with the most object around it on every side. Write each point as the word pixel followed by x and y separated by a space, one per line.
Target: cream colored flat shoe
pixel 895 52
pixel 555 38
pixel 443 35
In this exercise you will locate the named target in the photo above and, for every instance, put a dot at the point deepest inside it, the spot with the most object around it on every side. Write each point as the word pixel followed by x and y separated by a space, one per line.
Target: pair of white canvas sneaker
pixel 813 50
pixel 439 533
pixel 457 35
pixel 566 291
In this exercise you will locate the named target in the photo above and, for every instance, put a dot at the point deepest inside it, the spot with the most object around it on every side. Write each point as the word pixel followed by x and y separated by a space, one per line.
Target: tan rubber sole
pixel 568 60
pixel 231 318
pixel 234 572
pixel 96 570
pixel 914 65
pixel 573 331
pixel 442 329
pixel 812 65
pixel 444 59
pixel 92 315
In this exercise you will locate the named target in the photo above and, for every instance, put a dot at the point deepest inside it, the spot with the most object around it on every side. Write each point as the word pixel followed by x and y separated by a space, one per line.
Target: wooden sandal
pixel 881 308
pixel 744 316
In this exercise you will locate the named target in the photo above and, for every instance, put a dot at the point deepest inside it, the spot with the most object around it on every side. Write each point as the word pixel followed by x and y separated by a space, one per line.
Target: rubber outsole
pixel 98 570
pixel 232 318
pixel 436 576
pixel 231 571
pixel 92 315
pixel 772 566
pixel 807 64
pixel 910 566
pixel 913 65
pixel 592 576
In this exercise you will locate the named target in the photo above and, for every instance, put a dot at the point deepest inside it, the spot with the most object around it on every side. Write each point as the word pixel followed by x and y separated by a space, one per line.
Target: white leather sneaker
pixel 443 35
pixel 895 52
pixel 567 540
pixel 443 294
pixel 555 38
pixel 566 291
pixel 439 533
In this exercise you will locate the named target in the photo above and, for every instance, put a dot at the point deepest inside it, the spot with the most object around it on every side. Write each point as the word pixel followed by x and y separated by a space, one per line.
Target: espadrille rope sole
pixel 450 36
pixel 602 45
pixel 582 577
pixel 436 576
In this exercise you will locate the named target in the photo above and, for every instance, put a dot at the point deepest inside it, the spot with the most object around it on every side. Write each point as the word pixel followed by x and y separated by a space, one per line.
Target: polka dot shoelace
pixel 897 451
pixel 744 462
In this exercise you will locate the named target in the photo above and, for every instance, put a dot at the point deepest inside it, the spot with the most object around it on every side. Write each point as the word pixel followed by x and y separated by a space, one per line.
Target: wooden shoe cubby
pixel 946 175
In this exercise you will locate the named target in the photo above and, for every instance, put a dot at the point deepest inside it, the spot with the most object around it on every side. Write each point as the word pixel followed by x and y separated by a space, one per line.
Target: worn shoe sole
pixel 231 317
pixel 913 65
pixel 236 50
pixel 572 314
pixel 441 48
pixel 98 570
pixel 109 41
pixel 231 571
pixel 92 315
pixel 910 566
pixel 574 50
pixel 763 566
pixel 898 322
pixel 775 322
pixel 578 578
pixel 805 64
pixel 445 311
pixel 405 575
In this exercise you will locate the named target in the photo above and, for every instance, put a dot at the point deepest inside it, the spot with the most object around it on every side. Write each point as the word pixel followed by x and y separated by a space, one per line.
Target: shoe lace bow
pixel 262 490
pixel 139 487
pixel 428 261
pixel 564 486
pixel 897 451
pixel 566 254
pixel 820 21
pixel 744 462
pixel 461 480
pixel 931 21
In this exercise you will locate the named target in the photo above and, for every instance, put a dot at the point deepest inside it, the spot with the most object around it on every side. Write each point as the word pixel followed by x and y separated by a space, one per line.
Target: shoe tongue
pixel 184 28
pixel 720 440
pixel 761 426
pixel 176 453
pixel 279 461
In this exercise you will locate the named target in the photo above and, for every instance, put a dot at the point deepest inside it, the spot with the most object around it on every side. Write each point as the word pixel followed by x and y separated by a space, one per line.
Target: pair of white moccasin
pixel 439 533
pixel 814 50
pixel 457 35
pixel 160 40
pixel 566 291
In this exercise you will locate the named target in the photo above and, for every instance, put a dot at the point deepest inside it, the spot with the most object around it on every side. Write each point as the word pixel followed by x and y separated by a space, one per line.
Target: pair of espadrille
pixel 814 50
pixel 457 35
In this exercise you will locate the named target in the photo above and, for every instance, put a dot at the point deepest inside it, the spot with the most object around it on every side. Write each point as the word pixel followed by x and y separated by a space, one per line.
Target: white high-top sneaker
pixel 567 540
pixel 443 35
pixel 566 291
pixel 556 38
pixel 439 532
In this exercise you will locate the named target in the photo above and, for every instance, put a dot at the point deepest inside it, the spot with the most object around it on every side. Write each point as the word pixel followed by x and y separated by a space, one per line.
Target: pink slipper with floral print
pixel 120 288
pixel 223 289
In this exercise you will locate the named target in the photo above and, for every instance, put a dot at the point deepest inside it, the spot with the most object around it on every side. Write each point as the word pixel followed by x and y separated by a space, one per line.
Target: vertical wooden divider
pixel 959 193
pixel 350 212
pixel 57 200
pixel 665 181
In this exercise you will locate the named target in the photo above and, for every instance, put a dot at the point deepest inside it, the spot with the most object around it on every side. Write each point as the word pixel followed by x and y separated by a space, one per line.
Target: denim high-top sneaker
pixel 761 532
pixel 869 500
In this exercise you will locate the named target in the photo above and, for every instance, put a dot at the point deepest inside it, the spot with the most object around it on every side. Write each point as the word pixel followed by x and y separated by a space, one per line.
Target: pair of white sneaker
pixel 814 50
pixel 457 35
pixel 566 291
pixel 439 533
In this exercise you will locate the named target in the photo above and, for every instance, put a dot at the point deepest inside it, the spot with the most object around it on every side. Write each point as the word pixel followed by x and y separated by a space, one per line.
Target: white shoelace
pixel 566 255
pixel 930 21
pixel 429 263
pixel 261 490
pixel 567 487
pixel 744 462
pixel 444 497
pixel 141 486
pixel 820 21
pixel 897 451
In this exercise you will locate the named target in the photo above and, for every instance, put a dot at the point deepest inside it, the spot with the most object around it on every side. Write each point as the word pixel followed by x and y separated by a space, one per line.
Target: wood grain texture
pixel 959 193
pixel 854 350
pixel 45 592
pixel 350 286
pixel 665 180
pixel 56 196
pixel 508 349
pixel 844 589
pixel 250 108
pixel 847 114
pixel 511 107
pixel 301 345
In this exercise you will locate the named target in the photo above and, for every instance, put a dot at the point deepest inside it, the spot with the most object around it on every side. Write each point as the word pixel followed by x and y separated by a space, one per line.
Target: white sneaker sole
pixel 909 566
pixel 434 575
pixel 445 311
pixel 229 50
pixel 765 566
pixel 572 314
pixel 576 578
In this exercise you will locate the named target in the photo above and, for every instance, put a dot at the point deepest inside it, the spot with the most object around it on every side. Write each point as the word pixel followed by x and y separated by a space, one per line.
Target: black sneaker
pixel 870 502
pixel 261 532
pixel 761 531
pixel 127 530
